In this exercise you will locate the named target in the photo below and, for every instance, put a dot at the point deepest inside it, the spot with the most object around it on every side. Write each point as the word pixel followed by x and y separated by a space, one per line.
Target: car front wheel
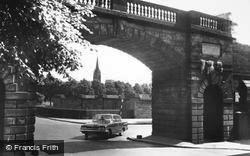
pixel 110 133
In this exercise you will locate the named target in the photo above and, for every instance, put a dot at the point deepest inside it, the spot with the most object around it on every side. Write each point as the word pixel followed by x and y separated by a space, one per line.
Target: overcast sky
pixel 117 65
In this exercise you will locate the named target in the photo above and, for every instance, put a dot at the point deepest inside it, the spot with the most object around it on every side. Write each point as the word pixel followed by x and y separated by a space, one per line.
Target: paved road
pixel 75 144
pixel 47 129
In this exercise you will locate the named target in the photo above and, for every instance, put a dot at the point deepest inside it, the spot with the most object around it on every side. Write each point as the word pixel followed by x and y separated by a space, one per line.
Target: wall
pixel 17 107
pixel 170 105
pixel 132 108
pixel 88 103
pixel 137 108
pixel 72 113
pixel 198 82
pixel 143 109
pixel 241 59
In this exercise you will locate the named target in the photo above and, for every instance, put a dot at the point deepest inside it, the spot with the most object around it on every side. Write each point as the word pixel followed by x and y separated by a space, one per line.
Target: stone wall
pixel 198 83
pixel 137 108
pixel 241 59
pixel 143 109
pixel 132 108
pixel 17 107
pixel 228 119
pixel 87 103
pixel 170 104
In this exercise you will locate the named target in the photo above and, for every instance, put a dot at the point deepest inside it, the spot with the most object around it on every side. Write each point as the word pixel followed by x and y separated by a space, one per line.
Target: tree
pixel 49 87
pixel 146 88
pixel 98 88
pixel 84 87
pixel 120 87
pixel 110 88
pixel 35 34
pixel 129 91
pixel 138 89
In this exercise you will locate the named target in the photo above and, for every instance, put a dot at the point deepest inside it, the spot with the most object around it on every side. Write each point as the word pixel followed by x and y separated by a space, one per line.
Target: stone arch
pixel 155 47
pixel 213 113
pixel 224 83
pixel 164 51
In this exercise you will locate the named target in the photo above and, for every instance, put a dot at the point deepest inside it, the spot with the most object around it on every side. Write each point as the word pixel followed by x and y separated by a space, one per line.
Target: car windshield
pixel 103 119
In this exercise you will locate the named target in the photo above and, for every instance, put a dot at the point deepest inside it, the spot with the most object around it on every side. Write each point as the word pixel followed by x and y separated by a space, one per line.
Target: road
pixel 47 129
pixel 76 145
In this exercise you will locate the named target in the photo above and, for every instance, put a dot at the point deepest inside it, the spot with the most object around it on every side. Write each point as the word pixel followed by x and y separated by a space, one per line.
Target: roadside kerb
pixel 192 146
pixel 83 121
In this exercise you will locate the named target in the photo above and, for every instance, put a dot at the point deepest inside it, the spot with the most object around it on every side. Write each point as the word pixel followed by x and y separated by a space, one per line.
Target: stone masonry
pixel 171 43
pixel 17 110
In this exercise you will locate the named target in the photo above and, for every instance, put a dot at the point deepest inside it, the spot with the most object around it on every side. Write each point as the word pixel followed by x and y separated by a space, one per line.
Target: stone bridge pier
pixel 17 109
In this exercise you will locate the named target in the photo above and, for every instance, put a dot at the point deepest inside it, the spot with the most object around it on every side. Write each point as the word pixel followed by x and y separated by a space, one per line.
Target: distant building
pixel 97 73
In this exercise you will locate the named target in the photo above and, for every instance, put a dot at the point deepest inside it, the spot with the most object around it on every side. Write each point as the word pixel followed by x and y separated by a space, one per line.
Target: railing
pixel 210 22
pixel 163 13
pixel 98 3
pixel 151 11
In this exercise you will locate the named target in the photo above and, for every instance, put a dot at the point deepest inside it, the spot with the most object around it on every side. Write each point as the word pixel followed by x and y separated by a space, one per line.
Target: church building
pixel 97 73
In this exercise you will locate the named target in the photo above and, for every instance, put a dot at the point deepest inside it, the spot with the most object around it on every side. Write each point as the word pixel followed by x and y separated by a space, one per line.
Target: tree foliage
pixel 138 89
pixel 98 88
pixel 72 88
pixel 35 34
pixel 50 87
pixel 110 88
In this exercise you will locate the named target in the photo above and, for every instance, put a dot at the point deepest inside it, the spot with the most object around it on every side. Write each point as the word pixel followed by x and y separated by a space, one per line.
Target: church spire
pixel 97 72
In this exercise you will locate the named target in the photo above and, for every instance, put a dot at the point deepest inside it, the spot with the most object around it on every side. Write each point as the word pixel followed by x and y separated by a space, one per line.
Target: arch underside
pixel 158 49
pixel 147 53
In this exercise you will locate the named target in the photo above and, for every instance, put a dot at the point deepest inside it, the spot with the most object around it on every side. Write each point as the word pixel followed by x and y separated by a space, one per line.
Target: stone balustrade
pixel 163 14
pixel 97 3
pixel 149 11
pixel 209 22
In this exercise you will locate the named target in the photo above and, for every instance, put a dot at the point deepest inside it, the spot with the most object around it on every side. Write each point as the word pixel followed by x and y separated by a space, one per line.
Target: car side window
pixel 117 118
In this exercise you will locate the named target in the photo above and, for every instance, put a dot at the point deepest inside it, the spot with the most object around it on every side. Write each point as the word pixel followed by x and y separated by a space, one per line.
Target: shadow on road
pixel 100 143
pixel 94 137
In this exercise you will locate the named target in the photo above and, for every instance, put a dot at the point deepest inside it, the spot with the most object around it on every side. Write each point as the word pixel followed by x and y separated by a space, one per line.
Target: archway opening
pixel 241 118
pixel 213 114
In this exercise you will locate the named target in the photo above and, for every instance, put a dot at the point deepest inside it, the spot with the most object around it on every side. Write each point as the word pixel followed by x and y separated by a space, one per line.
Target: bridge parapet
pixel 149 10
pixel 164 15
pixel 106 4
pixel 210 23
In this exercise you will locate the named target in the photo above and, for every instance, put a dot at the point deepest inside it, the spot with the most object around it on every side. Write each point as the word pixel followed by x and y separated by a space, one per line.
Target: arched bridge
pixel 189 53
pixel 173 44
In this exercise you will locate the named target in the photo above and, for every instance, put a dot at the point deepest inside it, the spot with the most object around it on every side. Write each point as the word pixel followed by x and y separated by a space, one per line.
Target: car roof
pixel 108 114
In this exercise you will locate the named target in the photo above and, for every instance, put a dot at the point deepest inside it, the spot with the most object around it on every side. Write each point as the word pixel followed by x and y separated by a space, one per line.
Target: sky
pixel 117 65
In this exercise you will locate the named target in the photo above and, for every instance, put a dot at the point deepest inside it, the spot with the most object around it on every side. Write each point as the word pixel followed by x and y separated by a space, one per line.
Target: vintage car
pixel 104 124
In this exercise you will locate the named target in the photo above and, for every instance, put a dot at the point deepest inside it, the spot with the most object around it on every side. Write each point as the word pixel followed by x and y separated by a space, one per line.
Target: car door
pixel 118 123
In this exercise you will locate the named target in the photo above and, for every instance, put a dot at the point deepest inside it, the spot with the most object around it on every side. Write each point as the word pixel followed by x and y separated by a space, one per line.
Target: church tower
pixel 97 72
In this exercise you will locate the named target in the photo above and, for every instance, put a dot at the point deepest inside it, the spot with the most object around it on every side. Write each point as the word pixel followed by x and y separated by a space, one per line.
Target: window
pixel 117 118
